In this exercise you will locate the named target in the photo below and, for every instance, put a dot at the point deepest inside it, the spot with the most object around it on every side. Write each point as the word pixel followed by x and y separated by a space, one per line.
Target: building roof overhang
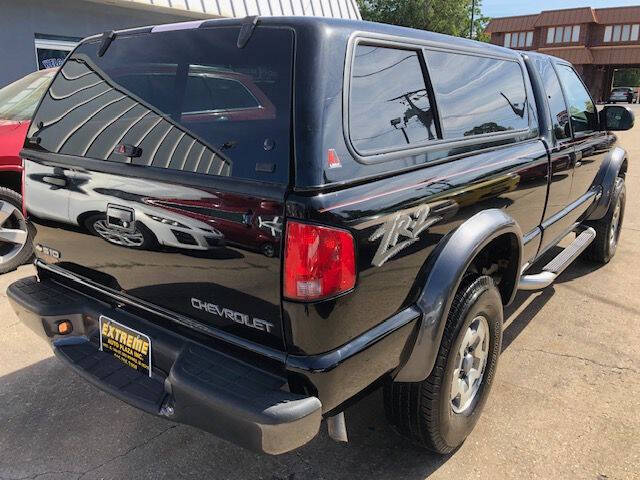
pixel 512 24
pixel 578 55
pixel 202 9
pixel 569 16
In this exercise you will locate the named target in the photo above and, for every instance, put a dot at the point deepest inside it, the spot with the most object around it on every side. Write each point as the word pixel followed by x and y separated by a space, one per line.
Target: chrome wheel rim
pixel 119 237
pixel 470 363
pixel 13 231
pixel 615 224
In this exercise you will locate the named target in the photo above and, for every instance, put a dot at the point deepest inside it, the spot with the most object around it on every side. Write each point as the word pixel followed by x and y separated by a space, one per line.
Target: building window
pixel 617 30
pixel 607 33
pixel 575 36
pixel 558 37
pixel 518 39
pixel 621 33
pixel 566 34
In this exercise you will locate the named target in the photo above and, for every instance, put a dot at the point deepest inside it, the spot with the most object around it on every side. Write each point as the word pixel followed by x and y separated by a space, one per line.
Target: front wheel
pixel 608 228
pixel 441 411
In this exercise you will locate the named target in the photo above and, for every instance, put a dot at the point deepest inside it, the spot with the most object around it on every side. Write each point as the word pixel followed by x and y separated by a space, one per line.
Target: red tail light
pixel 319 262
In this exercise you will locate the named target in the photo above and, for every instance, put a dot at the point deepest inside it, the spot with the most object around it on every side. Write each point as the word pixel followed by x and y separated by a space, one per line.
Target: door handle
pixel 120 217
pixel 576 158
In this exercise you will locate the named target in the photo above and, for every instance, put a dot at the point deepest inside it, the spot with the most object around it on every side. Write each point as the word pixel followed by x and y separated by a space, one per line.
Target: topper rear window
pixel 187 100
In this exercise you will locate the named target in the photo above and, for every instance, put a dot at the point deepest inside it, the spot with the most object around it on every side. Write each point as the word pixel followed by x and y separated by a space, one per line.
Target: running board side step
pixel 556 266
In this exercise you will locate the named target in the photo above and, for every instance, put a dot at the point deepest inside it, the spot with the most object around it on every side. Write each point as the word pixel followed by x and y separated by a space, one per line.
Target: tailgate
pixel 163 175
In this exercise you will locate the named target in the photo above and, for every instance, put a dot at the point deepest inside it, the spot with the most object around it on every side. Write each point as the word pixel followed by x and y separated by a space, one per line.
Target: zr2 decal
pixel 400 231
pixel 274 225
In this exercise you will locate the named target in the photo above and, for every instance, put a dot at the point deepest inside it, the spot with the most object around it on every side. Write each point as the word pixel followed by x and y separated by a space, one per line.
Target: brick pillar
pixel 608 81
pixel 593 78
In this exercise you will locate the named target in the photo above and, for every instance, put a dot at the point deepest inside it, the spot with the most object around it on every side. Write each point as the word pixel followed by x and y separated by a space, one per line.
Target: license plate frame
pixel 131 353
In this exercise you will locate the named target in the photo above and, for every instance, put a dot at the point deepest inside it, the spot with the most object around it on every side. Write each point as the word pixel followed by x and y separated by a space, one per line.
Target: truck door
pixel 590 143
pixel 561 148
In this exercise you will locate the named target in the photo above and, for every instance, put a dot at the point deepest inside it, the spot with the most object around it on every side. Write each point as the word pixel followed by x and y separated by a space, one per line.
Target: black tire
pixel 25 254
pixel 423 411
pixel 602 249
pixel 268 250
pixel 147 240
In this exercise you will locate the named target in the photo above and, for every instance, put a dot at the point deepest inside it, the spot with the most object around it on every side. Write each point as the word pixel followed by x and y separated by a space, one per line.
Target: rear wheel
pixel 608 228
pixel 15 235
pixel 441 411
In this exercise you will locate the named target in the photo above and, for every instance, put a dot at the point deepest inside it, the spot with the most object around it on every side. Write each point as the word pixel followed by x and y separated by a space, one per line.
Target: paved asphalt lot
pixel 565 403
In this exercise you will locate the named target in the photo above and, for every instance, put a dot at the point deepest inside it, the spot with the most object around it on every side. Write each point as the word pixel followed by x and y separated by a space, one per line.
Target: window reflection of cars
pixel 229 96
pixel 254 226
pixel 153 227
pixel 192 219
pixel 18 101
pixel 210 93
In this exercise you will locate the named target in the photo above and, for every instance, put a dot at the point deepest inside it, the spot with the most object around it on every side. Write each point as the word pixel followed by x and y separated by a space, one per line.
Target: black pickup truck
pixel 246 224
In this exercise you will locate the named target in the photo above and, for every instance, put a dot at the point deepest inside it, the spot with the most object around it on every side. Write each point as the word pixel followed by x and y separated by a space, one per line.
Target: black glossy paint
pixel 558 137
pixel 188 241
pixel 445 198
pixel 512 178
pixel 446 271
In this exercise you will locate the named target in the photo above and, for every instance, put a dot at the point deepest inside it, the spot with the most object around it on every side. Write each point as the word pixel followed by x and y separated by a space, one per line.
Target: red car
pixel 18 101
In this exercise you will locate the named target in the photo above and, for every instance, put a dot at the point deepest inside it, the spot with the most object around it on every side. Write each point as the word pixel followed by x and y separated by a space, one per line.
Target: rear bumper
pixel 190 383
pixel 237 391
pixel 621 98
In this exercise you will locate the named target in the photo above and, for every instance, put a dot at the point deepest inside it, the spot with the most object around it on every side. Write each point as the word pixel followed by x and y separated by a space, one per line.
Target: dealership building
pixel 37 34
pixel 598 41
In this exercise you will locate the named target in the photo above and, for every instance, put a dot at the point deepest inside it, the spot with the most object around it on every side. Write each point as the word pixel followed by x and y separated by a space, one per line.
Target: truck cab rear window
pixel 477 95
pixel 187 100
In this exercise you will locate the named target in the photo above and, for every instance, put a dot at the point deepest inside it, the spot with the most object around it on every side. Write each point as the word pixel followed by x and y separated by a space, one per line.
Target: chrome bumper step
pixel 556 266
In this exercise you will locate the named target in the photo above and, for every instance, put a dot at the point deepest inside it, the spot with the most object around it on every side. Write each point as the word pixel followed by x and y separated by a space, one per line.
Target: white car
pixel 624 94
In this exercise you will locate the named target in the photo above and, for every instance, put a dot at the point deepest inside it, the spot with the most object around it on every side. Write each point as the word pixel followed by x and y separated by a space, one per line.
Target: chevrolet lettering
pixel 257 221
pixel 241 318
